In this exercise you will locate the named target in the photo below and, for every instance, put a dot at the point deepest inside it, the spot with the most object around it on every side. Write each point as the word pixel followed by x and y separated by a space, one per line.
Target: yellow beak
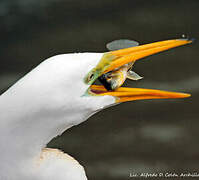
pixel 125 56
pixel 124 94
pixel 115 59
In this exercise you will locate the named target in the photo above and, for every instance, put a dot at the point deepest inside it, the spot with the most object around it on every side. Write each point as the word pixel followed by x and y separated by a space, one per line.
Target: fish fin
pixel 133 76
pixel 121 44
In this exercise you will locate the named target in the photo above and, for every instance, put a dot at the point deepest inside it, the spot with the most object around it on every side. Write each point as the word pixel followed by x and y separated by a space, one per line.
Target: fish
pixel 114 79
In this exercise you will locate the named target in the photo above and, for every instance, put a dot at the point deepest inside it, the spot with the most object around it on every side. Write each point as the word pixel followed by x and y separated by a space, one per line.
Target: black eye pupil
pixel 91 76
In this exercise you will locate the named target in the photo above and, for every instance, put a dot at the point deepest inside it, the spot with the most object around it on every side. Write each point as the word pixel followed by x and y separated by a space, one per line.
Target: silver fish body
pixel 115 79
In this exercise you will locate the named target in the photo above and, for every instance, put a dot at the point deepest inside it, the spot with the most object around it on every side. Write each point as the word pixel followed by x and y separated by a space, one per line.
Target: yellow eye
pixel 90 77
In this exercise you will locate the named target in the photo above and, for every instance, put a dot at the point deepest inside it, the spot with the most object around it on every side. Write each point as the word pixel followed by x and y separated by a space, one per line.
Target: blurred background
pixel 141 136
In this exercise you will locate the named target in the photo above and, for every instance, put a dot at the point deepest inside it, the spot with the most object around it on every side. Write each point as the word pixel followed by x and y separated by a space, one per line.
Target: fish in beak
pixel 114 79
pixel 114 60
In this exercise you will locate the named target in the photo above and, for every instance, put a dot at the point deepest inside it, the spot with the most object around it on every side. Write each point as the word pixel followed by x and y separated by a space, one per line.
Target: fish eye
pixel 109 78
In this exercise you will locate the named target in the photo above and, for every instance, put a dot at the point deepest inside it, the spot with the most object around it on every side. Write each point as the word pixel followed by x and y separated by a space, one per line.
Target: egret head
pixel 115 59
pixel 71 77
pixel 64 84
pixel 60 92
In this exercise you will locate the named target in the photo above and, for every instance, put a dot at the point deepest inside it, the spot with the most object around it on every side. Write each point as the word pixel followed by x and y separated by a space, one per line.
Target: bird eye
pixel 91 76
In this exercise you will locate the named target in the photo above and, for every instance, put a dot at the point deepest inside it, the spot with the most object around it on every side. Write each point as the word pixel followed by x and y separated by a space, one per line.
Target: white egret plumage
pixel 55 96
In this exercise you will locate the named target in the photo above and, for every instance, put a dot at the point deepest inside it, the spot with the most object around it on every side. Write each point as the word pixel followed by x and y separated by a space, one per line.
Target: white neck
pixel 27 133
pixel 42 105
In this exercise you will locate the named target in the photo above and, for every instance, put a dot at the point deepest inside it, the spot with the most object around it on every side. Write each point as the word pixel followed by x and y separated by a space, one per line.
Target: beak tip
pixel 188 39
pixel 192 39
pixel 183 95
pixel 187 95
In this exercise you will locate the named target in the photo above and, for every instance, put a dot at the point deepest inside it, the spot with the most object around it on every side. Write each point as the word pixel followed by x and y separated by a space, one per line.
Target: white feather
pixel 40 106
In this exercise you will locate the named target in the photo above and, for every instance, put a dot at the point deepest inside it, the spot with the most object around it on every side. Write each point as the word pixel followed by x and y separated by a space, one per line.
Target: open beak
pixel 115 59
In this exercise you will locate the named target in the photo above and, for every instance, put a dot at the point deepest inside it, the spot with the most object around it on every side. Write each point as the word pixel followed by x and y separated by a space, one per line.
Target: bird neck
pixel 26 126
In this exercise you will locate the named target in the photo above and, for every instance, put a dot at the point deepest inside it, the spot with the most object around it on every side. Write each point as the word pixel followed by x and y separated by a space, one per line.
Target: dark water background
pixel 143 136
